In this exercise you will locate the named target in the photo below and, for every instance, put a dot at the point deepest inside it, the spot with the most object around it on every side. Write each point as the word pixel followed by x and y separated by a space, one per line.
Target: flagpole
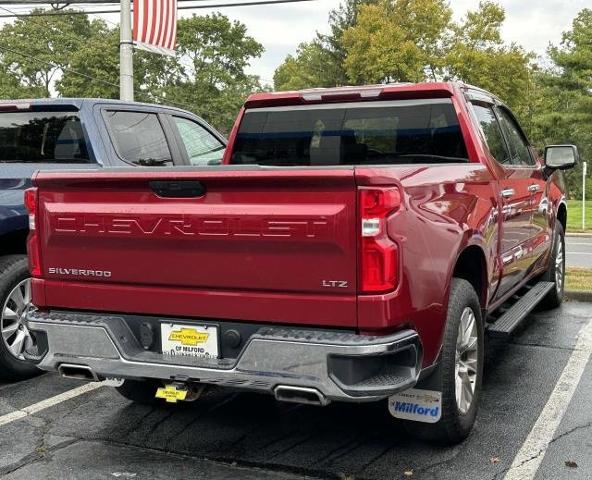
pixel 126 61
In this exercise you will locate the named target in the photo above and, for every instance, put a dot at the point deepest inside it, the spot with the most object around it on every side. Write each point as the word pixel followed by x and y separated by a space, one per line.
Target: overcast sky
pixel 280 28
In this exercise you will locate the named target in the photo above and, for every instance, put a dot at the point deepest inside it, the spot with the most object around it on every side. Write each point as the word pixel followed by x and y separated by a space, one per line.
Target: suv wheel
pixel 15 297
pixel 460 369
pixel 556 271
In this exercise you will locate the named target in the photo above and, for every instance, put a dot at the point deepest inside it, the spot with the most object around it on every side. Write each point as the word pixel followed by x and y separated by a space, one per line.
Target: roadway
pixel 579 251
pixel 534 424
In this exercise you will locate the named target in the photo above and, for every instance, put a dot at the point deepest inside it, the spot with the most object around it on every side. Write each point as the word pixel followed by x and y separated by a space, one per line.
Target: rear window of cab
pixel 359 133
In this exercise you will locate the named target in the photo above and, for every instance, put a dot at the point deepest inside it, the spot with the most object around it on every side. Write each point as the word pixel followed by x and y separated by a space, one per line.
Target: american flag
pixel 155 25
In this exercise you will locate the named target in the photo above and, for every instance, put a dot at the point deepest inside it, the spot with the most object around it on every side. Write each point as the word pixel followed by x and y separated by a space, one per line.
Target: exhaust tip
pixel 304 395
pixel 78 372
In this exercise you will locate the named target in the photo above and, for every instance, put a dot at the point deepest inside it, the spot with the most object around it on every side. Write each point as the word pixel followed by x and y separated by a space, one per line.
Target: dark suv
pixel 76 134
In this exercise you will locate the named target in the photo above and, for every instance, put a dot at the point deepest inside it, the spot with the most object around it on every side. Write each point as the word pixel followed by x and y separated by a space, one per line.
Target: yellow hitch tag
pixel 171 393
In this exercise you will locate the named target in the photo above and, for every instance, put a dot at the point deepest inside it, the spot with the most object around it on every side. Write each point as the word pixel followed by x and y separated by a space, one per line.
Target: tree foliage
pixel 36 50
pixel 210 77
pixel 74 56
pixel 321 62
pixel 563 112
pixel 397 41
pixel 417 40
pixel 476 54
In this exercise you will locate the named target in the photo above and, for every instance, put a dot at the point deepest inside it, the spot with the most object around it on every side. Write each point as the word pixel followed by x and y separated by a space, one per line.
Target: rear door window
pixel 519 147
pixel 42 137
pixel 201 146
pixel 373 133
pixel 493 134
pixel 139 138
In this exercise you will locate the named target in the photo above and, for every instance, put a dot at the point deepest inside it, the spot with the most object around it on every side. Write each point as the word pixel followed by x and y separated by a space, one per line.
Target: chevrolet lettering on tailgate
pixel 192 226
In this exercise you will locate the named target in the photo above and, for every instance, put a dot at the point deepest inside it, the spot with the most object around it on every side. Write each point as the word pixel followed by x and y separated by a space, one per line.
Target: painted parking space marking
pixel 49 402
pixel 531 454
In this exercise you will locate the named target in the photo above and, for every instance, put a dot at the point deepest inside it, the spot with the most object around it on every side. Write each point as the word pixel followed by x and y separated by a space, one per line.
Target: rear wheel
pixel 15 298
pixel 556 271
pixel 460 370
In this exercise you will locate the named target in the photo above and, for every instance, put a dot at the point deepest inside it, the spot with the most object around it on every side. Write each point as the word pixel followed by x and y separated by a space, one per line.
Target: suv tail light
pixel 33 239
pixel 378 253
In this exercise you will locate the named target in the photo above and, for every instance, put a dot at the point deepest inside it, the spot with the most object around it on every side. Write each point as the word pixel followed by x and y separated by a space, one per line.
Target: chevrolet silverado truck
pixel 75 134
pixel 356 245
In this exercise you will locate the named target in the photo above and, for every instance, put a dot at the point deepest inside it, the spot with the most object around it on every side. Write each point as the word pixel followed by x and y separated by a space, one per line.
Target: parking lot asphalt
pixel 230 435
pixel 579 251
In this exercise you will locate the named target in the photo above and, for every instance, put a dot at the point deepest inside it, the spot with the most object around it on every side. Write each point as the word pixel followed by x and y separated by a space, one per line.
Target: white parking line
pixel 48 402
pixel 530 456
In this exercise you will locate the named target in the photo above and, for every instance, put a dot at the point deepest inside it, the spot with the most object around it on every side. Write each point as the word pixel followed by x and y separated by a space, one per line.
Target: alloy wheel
pixel 467 357
pixel 14 332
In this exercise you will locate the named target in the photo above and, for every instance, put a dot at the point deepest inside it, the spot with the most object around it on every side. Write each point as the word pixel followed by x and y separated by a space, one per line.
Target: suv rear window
pixel 373 133
pixel 42 137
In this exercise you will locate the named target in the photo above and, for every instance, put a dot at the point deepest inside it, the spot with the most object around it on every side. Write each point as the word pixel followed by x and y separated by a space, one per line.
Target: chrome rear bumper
pixel 340 366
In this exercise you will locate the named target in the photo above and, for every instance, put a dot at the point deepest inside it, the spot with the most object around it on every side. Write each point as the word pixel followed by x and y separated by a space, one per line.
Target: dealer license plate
pixel 189 340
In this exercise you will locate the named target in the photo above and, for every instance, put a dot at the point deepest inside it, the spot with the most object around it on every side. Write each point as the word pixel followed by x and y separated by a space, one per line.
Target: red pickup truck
pixel 356 246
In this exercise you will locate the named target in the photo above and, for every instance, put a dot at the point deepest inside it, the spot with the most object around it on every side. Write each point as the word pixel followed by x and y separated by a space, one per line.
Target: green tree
pixel 476 54
pixel 312 66
pixel 417 40
pixel 37 49
pixel 564 97
pixel 210 78
pixel 97 78
pixel 397 41
pixel 320 63
pixel 10 86
pixel 100 78
pixel 73 56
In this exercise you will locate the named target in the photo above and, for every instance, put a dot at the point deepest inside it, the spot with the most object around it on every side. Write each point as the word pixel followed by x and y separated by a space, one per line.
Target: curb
pixel 578 295
pixel 579 235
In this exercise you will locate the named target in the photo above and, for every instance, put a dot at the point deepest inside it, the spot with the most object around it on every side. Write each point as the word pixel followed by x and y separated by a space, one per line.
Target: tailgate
pixel 257 244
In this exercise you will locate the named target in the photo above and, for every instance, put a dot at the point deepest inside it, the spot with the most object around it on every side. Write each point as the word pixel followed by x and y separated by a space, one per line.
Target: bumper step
pixel 512 318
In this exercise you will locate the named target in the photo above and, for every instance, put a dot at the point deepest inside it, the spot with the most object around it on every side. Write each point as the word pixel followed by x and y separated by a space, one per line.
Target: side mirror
pixel 561 157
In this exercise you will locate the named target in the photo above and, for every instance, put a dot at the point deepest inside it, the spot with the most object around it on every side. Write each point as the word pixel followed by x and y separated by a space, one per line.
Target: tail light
pixel 33 239
pixel 378 253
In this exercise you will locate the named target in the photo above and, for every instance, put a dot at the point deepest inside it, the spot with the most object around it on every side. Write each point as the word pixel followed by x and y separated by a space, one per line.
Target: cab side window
pixel 493 133
pixel 201 146
pixel 519 147
pixel 139 138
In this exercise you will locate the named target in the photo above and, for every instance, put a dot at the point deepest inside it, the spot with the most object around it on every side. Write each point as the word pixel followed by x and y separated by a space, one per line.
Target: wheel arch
pixel 562 215
pixel 471 265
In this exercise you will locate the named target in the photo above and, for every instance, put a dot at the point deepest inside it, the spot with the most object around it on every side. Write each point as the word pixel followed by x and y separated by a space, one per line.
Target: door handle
pixel 178 188
pixel 508 192
pixel 535 187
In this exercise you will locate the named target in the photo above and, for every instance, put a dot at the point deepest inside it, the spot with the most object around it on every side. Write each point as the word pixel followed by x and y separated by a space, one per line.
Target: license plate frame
pixel 189 340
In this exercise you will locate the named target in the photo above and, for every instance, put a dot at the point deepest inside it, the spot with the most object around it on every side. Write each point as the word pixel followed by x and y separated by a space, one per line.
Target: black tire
pixel 454 425
pixel 140 391
pixel 556 272
pixel 13 270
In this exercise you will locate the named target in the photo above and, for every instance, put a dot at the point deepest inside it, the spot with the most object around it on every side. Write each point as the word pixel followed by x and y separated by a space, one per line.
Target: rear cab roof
pixel 362 93
pixel 73 104
pixel 368 93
